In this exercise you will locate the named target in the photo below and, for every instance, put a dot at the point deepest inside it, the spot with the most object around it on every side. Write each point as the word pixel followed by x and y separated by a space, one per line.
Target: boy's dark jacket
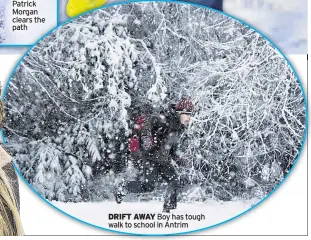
pixel 165 129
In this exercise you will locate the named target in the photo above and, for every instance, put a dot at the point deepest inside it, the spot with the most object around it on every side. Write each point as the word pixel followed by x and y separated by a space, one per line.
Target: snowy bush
pixel 2 31
pixel 70 102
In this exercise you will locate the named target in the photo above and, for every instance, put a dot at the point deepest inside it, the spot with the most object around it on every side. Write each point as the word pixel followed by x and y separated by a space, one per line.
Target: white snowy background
pixel 2 18
pixel 285 22
pixel 46 9
pixel 223 69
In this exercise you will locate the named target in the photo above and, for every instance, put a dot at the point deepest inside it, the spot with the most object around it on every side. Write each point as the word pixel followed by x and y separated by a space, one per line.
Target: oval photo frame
pixel 177 3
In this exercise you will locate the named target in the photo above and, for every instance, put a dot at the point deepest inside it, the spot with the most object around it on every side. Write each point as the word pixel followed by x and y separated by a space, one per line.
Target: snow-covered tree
pixel 46 164
pixel 80 86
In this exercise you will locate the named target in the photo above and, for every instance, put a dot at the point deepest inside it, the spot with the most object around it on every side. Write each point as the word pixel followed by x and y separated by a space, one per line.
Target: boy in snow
pixel 158 139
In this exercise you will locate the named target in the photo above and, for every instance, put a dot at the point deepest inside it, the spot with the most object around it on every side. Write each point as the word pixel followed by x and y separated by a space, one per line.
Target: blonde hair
pixel 2 116
pixel 10 223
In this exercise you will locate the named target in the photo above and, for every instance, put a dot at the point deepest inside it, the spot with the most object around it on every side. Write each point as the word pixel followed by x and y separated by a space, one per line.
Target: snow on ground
pixel 213 211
